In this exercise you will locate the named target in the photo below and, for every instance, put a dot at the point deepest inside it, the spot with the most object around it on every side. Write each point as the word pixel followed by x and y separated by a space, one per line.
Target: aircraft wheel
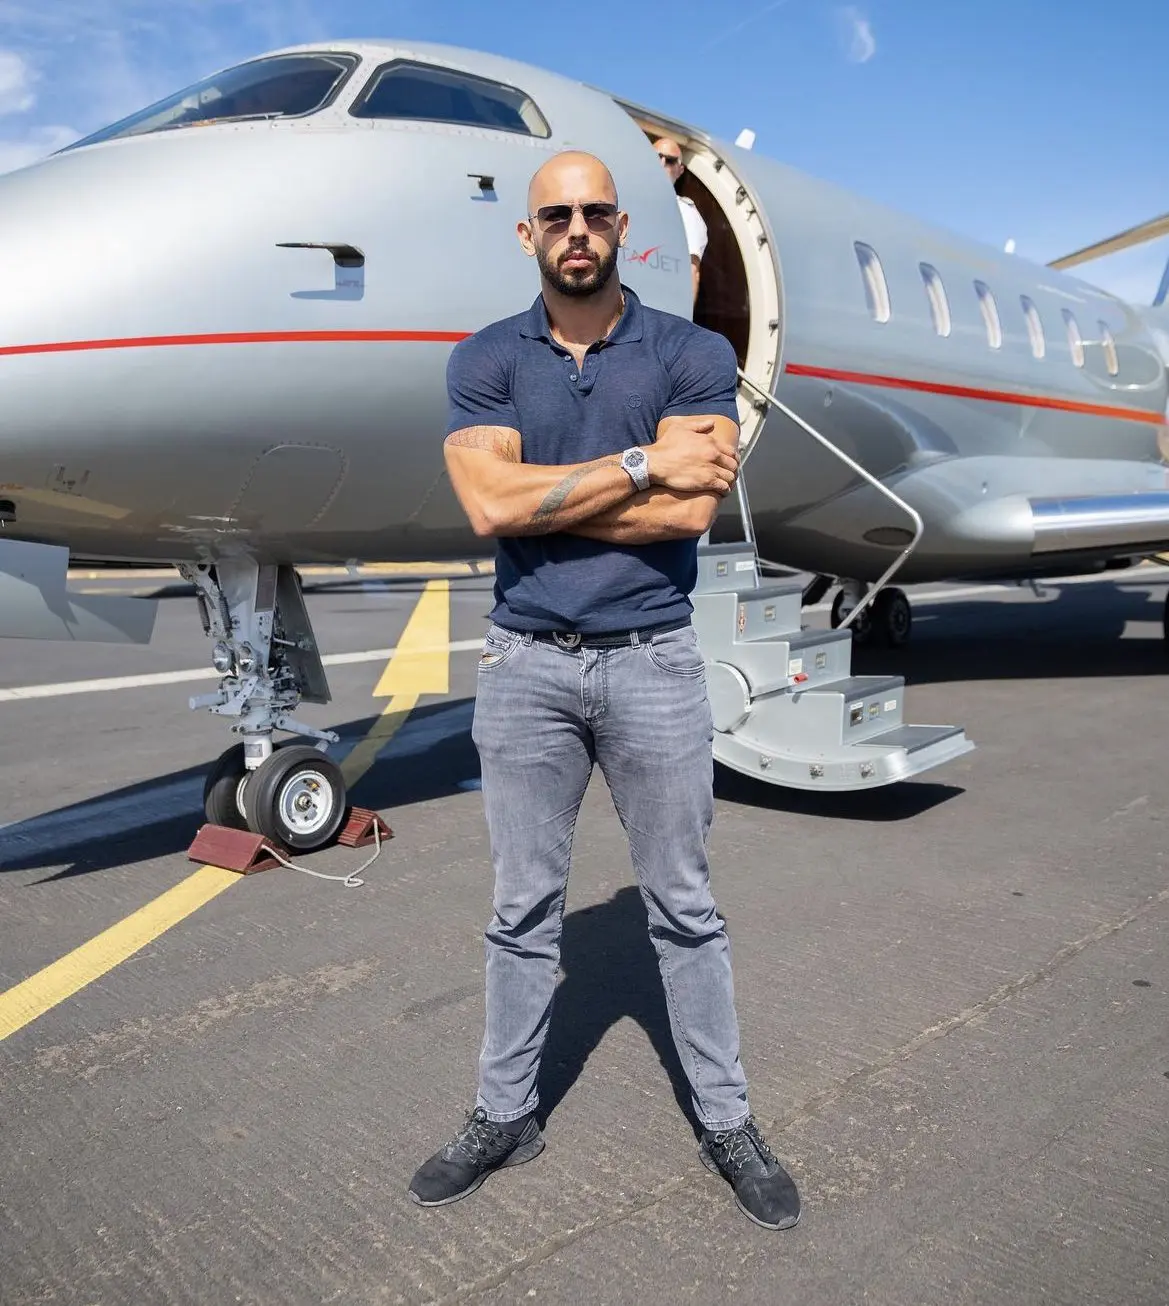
pixel 862 627
pixel 223 790
pixel 892 618
pixel 296 796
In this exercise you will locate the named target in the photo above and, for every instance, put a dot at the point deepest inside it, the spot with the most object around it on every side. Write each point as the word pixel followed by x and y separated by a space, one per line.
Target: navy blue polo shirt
pixel 651 365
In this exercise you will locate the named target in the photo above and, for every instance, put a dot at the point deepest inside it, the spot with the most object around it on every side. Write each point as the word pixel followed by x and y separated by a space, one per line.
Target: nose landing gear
pixel 296 796
pixel 267 654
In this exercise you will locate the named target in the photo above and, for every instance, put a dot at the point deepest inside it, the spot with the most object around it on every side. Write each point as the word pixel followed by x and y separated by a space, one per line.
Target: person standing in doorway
pixel 670 154
pixel 594 439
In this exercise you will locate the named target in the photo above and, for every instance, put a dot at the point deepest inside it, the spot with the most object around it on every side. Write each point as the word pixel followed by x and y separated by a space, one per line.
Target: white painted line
pixel 1153 575
pixel 19 693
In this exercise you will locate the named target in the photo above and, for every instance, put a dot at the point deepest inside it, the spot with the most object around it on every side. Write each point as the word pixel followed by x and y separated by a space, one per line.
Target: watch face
pixel 635 457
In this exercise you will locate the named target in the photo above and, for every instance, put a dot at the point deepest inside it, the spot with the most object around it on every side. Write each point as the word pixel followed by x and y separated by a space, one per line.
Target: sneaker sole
pixel 528 1152
pixel 708 1161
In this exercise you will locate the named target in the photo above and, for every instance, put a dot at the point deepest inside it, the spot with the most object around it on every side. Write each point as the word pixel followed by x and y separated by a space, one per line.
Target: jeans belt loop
pixel 635 638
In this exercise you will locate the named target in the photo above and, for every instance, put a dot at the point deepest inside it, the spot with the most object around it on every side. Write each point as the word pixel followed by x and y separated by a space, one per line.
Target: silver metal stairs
pixel 786 706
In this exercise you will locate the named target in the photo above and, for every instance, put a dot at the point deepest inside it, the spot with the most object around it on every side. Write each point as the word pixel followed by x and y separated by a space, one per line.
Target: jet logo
pixel 652 258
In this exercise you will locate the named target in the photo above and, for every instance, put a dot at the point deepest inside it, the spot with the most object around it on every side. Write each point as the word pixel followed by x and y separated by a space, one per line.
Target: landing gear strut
pixel 266 653
pixel 887 621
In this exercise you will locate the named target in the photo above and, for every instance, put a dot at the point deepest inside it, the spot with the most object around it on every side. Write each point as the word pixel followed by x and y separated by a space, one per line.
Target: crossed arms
pixel 692 464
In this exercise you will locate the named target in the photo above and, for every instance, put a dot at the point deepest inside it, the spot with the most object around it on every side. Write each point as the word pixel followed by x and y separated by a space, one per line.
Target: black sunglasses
pixel 557 218
pixel 671 159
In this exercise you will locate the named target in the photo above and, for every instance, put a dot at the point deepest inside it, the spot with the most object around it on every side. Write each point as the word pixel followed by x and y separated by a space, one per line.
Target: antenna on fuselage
pixel 745 139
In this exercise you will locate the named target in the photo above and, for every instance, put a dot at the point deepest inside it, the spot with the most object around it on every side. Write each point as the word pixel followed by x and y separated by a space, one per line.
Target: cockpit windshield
pixel 283 86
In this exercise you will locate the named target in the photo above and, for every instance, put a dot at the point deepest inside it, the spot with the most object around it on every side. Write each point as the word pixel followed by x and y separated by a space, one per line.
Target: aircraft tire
pixel 297 797
pixel 892 618
pixel 223 790
pixel 862 627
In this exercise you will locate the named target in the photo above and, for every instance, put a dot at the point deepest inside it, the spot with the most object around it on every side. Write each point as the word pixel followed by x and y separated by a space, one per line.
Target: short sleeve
pixel 704 377
pixel 696 234
pixel 478 387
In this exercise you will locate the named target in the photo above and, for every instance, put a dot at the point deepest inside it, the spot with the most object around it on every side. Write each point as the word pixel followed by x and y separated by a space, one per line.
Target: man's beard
pixel 576 283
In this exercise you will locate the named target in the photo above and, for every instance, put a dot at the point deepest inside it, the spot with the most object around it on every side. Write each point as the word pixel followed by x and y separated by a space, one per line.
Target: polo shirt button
pixel 572 376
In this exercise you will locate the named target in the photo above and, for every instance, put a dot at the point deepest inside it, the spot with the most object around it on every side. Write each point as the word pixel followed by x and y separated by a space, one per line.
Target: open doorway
pixel 740 288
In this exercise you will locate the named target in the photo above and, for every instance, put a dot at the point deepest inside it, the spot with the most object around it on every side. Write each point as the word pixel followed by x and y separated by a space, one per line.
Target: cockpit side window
pixel 283 86
pixel 423 92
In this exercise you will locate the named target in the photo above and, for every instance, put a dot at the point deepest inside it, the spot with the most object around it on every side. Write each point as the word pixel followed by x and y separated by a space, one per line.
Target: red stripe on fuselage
pixel 453 337
pixel 971 392
pixel 241 338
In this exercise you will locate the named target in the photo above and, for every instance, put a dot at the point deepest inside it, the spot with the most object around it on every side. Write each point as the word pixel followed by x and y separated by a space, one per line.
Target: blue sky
pixel 1038 120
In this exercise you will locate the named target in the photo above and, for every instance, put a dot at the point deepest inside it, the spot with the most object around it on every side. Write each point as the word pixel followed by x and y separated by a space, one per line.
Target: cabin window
pixel 1075 340
pixel 990 315
pixel 936 294
pixel 425 93
pixel 873 275
pixel 1034 327
pixel 284 86
pixel 1111 361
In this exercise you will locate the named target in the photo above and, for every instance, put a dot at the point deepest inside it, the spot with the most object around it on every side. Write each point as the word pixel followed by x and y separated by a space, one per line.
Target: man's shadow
pixel 610 971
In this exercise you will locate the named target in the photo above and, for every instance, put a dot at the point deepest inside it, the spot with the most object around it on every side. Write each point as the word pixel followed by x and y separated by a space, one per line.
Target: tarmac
pixel 953 993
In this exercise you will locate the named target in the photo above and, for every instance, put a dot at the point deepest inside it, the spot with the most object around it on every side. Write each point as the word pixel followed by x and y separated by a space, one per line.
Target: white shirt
pixel 695 227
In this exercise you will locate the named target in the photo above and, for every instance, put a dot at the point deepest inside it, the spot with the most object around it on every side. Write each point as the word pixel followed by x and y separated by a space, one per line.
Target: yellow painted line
pixel 35 995
pixel 365 753
pixel 415 662
pixel 421 663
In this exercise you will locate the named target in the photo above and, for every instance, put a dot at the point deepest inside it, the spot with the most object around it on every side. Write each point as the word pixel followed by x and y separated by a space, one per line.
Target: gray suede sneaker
pixel 478 1149
pixel 764 1191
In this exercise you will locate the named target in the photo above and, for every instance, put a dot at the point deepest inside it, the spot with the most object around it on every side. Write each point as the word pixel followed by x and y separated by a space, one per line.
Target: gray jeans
pixel 543 716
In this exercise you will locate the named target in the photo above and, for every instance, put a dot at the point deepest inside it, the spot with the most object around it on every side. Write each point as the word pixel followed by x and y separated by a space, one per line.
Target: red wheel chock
pixel 245 852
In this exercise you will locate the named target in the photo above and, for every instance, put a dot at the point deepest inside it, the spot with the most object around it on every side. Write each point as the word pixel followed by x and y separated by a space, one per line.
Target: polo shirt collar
pixel 535 325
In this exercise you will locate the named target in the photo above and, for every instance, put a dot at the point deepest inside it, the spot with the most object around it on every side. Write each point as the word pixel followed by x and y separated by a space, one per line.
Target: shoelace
pixel 741 1143
pixel 474 1136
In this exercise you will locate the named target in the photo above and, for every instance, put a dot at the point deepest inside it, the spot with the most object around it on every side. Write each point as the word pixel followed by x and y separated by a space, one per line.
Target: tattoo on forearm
pixel 554 500
pixel 486 438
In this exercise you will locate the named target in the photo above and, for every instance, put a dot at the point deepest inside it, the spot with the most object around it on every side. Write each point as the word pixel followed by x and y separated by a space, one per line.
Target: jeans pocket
pixel 498 646
pixel 676 652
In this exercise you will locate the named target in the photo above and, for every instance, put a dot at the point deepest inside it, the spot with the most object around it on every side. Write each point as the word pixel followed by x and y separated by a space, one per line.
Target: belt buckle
pixel 566 641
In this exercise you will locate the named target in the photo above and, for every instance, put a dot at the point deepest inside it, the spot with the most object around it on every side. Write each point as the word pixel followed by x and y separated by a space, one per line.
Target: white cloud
pixel 19 151
pixel 16 79
pixel 856 34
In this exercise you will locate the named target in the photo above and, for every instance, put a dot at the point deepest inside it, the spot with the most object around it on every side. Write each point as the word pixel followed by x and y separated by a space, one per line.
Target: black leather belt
pixel 570 639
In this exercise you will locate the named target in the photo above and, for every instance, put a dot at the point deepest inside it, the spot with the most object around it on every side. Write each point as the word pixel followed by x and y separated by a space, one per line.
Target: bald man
pixel 594 439
pixel 670 155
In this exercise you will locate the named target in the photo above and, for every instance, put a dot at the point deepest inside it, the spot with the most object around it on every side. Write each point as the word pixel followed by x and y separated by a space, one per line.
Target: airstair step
pixel 785 705
pixel 723 567
pixel 768 610
pixel 884 759
pixel 731 550
pixel 805 659
pixel 914 738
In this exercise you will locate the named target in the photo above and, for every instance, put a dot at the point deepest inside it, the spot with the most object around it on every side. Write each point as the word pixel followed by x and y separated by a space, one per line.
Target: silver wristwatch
pixel 637 465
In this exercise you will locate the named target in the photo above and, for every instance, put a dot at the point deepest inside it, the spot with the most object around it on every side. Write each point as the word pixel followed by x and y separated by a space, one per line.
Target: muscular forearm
pixel 652 515
pixel 507 498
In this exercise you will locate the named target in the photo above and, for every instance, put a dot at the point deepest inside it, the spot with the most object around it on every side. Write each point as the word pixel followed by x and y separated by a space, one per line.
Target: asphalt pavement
pixel 953 995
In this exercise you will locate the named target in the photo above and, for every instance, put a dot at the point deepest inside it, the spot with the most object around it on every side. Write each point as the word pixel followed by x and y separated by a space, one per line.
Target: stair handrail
pixel 896 499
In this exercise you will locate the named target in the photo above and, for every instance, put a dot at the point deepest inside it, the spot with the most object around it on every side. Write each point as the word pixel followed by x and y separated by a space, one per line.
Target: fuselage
pixel 183 378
